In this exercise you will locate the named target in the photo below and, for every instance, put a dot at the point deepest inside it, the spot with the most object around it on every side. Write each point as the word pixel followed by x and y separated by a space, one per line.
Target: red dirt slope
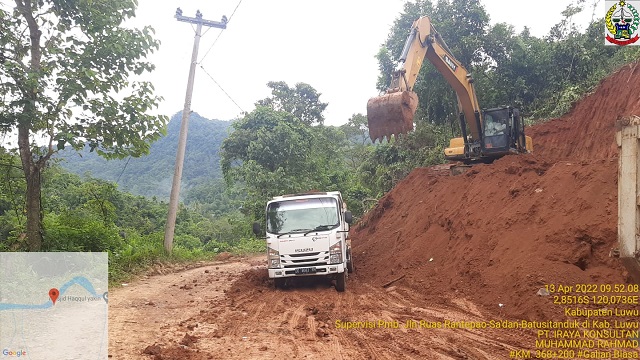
pixel 588 130
pixel 498 233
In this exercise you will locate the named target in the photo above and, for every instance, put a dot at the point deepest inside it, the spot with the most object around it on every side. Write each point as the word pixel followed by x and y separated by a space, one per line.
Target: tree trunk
pixel 34 211
pixel 31 167
pixel 32 176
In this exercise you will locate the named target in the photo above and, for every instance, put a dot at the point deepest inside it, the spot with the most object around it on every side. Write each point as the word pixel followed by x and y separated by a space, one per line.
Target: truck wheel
pixel 341 281
pixel 350 266
pixel 279 282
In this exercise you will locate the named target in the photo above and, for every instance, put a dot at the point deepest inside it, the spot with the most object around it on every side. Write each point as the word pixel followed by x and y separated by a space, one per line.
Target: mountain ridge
pixel 151 175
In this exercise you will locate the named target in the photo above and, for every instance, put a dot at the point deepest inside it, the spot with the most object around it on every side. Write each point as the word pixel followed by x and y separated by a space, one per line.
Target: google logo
pixel 7 352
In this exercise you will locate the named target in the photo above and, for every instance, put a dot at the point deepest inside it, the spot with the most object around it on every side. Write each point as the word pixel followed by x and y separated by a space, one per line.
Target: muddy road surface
pixel 232 311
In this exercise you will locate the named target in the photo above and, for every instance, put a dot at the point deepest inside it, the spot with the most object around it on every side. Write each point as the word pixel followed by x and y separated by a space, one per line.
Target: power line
pixel 123 169
pixel 220 33
pixel 209 50
pixel 214 80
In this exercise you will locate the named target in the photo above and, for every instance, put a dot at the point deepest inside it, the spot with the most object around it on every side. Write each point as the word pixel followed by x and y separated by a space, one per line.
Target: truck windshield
pixel 302 215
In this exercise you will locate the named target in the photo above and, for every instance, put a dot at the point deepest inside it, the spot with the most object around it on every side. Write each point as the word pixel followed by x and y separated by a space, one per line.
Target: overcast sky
pixel 328 44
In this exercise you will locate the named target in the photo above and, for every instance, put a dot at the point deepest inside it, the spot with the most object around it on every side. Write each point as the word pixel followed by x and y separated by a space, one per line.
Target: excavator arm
pixel 392 113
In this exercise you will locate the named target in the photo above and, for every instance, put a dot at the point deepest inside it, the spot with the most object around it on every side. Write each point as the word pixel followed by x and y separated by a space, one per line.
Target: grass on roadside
pixel 143 253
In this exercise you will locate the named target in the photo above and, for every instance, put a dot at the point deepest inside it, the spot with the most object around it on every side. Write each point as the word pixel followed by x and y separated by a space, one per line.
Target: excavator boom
pixel 392 113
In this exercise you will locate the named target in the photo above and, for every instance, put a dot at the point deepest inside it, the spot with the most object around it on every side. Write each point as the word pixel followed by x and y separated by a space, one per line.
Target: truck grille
pixel 306 254
pixel 304 260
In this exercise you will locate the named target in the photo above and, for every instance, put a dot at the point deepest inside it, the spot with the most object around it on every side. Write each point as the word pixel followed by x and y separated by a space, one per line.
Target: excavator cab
pixel 503 133
pixel 496 130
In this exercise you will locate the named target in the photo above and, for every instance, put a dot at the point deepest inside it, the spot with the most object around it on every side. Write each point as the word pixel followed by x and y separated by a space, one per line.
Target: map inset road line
pixel 53 306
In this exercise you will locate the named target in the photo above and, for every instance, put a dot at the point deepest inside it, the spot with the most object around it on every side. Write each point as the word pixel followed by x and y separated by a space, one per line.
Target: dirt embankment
pixel 500 232
pixel 496 234
pixel 588 130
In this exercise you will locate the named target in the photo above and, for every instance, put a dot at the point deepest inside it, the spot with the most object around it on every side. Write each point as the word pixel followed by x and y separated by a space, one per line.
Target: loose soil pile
pixel 500 232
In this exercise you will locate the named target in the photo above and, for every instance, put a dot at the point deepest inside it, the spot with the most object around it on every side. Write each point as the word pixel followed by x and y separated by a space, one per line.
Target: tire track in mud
pixel 158 311
pixel 296 314
pixel 343 341
pixel 368 303
pixel 249 318
pixel 336 349
pixel 312 332
pixel 389 305
pixel 311 326
pixel 293 327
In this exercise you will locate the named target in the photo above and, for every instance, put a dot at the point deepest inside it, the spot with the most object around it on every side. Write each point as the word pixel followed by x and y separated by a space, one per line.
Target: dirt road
pixel 231 311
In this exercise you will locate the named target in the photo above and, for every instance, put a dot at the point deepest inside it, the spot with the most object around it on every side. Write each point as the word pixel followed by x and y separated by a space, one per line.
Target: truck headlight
pixel 335 253
pixel 274 258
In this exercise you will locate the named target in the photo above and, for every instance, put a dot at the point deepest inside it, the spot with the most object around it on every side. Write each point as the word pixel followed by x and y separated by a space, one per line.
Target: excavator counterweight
pixel 391 114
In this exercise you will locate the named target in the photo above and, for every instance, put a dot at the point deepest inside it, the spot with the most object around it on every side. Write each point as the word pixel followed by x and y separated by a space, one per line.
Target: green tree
pixel 66 75
pixel 359 143
pixel 302 101
pixel 385 164
pixel 268 153
pixel 282 147
pixel 12 193
pixel 213 197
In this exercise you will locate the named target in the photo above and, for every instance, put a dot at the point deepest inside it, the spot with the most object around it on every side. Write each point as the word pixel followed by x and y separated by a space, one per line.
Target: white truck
pixel 308 235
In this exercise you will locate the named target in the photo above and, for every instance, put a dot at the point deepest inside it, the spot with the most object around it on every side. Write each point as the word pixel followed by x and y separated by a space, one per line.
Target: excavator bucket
pixel 391 114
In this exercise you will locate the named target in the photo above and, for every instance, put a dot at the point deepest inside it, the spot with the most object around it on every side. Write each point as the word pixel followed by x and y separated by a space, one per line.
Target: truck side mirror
pixel 348 217
pixel 256 228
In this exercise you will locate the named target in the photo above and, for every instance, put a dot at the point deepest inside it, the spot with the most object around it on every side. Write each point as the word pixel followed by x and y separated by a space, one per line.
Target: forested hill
pixel 151 175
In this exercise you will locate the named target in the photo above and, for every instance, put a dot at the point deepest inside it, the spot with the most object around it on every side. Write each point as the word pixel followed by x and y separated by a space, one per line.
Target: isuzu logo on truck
pixel 304 250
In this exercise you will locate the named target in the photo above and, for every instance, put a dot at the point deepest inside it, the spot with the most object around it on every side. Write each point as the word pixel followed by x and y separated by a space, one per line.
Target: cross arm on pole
pixel 199 20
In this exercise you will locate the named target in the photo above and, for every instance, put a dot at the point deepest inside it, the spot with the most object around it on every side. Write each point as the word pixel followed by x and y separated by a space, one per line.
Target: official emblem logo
pixel 621 23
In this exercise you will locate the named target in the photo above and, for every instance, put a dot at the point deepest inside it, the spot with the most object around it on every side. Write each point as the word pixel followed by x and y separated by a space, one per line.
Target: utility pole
pixel 174 199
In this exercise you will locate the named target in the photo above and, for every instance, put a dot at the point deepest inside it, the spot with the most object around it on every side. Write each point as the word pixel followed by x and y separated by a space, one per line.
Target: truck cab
pixel 308 235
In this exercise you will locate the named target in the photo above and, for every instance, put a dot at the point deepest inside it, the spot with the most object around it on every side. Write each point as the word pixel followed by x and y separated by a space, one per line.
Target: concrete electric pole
pixel 174 199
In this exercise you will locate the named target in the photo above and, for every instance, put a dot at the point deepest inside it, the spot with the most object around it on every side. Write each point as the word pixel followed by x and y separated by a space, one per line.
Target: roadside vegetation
pixel 89 214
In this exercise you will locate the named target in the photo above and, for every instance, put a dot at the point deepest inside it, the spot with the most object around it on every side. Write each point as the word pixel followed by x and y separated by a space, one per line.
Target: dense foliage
pixel 272 152
pixel 67 73
pixel 89 214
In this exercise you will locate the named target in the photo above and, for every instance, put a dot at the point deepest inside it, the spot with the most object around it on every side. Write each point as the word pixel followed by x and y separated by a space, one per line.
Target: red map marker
pixel 53 294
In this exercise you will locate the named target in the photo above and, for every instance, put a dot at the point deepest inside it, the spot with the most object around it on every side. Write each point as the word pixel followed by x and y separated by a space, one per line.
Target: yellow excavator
pixel 493 133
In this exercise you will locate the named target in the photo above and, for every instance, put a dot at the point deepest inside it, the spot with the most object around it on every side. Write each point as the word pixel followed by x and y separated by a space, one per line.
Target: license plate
pixel 309 270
